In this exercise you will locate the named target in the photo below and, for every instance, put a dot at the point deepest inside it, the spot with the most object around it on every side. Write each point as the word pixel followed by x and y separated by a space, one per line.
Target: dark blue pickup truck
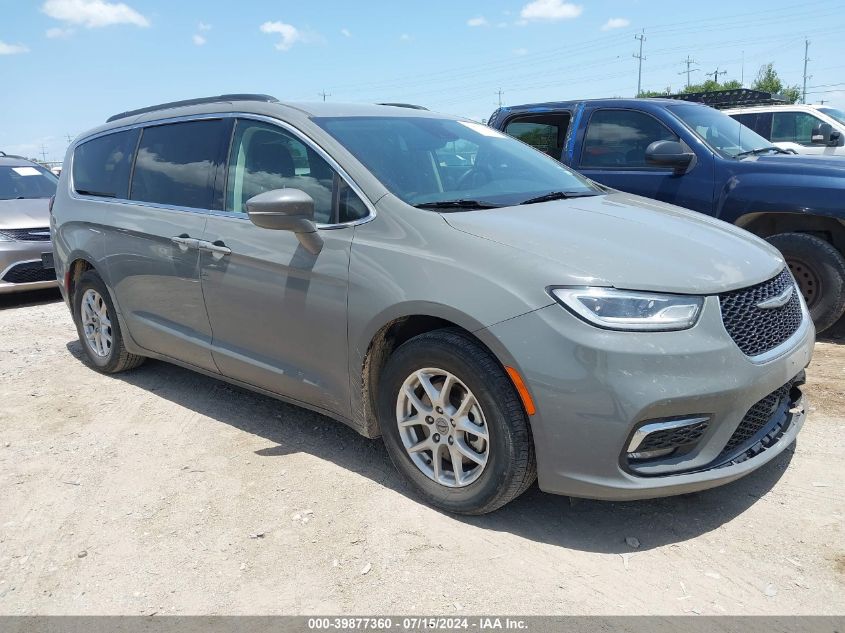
pixel 697 157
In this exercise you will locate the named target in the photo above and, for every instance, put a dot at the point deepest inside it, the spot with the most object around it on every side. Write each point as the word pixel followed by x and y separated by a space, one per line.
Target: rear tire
pixel 98 327
pixel 819 270
pixel 496 456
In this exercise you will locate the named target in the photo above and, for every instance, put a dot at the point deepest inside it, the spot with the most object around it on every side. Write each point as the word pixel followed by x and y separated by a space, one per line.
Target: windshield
pixel 833 113
pixel 725 135
pixel 425 161
pixel 26 181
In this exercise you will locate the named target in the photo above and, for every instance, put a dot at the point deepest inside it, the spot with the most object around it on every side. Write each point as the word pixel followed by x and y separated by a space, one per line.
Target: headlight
pixel 627 310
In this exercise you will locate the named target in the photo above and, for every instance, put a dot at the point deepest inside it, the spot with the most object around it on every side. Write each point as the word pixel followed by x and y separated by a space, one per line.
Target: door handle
pixel 215 248
pixel 184 242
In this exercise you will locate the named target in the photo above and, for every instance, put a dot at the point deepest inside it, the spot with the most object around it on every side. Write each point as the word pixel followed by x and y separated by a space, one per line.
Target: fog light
pixel 662 438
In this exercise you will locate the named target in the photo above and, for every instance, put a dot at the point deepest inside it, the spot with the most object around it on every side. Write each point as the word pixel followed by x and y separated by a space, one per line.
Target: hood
pixel 630 242
pixel 799 164
pixel 29 213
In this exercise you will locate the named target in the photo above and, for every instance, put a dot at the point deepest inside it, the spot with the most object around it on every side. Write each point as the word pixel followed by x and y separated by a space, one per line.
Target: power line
pixel 641 38
pixel 718 72
pixel 689 62
pixel 806 59
pixel 323 94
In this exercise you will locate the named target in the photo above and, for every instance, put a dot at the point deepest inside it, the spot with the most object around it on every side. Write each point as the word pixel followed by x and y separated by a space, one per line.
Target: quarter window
pixel 619 138
pixel 264 157
pixel 101 166
pixel 794 127
pixel 177 163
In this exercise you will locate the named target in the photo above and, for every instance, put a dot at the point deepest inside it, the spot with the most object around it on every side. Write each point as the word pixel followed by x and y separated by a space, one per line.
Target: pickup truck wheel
pixel 819 270
pixel 454 425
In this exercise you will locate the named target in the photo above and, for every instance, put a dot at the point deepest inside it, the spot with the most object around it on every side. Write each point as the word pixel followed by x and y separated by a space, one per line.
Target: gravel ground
pixel 163 491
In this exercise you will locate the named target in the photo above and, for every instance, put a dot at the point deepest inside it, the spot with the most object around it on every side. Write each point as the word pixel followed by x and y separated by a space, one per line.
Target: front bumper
pixel 21 267
pixel 593 388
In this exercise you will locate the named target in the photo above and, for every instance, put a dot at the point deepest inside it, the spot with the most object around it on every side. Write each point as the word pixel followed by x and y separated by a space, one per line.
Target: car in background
pixel 804 129
pixel 26 252
pixel 697 157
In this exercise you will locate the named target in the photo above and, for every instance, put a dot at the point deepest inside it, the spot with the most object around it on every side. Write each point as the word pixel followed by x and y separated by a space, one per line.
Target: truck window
pixel 619 138
pixel 794 127
pixel 760 122
pixel 545 132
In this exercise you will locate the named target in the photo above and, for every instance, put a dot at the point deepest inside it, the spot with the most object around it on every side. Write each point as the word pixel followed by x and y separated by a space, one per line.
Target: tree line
pixel 767 80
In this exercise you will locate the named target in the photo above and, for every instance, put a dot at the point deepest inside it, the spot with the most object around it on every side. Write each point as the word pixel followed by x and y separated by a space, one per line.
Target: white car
pixel 805 129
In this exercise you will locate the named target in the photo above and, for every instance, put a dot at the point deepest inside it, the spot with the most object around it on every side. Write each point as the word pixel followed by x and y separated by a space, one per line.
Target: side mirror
pixel 287 210
pixel 824 134
pixel 668 154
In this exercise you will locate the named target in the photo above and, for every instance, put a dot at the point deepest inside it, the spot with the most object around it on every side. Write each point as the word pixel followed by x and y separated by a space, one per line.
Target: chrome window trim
pixel 304 138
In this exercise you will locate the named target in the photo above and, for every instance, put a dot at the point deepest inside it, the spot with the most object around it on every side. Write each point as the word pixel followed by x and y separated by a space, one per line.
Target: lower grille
pixel 758 416
pixel 673 438
pixel 29 272
pixel 757 330
pixel 41 234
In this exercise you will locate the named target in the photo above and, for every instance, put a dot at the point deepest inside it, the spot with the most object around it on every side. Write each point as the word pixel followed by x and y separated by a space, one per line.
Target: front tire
pixel 819 270
pixel 98 327
pixel 454 425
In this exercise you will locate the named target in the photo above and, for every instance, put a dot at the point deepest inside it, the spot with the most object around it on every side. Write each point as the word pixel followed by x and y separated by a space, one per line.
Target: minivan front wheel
pixel 454 425
pixel 819 270
pixel 98 327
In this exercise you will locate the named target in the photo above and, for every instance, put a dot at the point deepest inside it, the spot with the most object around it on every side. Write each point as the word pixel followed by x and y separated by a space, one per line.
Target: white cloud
pixel 519 52
pixel 615 23
pixel 478 21
pixel 405 37
pixel 57 32
pixel 345 33
pixel 199 40
pixel 290 35
pixel 551 10
pixel 93 13
pixel 202 26
pixel 12 49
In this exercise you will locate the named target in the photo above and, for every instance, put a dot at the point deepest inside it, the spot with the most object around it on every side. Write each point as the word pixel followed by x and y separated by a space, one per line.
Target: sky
pixel 67 65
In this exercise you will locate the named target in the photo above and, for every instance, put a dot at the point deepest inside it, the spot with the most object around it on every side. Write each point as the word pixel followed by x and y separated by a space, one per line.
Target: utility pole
pixel 500 93
pixel 689 62
pixel 69 138
pixel 323 94
pixel 641 38
pixel 742 71
pixel 718 72
pixel 43 153
pixel 806 77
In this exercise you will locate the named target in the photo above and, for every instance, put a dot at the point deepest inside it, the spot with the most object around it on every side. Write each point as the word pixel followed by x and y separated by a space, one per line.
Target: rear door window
pixel 177 163
pixel 546 133
pixel 101 166
pixel 760 122
pixel 619 138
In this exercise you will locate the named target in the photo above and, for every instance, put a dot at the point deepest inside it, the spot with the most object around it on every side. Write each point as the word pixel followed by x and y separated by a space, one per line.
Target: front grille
pixel 673 438
pixel 757 418
pixel 758 330
pixel 29 272
pixel 41 234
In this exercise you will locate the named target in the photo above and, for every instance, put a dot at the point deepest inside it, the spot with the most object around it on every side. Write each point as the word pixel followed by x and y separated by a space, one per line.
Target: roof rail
pixel 721 99
pixel 404 105
pixel 5 155
pixel 190 102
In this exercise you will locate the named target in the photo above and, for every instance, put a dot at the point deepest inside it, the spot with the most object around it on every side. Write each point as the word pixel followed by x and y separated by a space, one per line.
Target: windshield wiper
pixel 457 204
pixel 760 150
pixel 560 195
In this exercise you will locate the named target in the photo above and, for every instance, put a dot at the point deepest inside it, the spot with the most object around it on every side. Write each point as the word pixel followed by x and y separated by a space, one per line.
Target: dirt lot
pixel 162 491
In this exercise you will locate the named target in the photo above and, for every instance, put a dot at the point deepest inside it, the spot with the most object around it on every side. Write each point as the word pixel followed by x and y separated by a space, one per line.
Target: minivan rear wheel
pixel 819 270
pixel 98 326
pixel 454 425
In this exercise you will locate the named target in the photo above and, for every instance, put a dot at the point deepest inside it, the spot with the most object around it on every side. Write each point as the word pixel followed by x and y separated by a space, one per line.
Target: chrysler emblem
pixel 779 301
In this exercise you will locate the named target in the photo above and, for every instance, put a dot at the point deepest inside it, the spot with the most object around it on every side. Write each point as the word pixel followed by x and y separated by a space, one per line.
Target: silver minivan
pixel 493 316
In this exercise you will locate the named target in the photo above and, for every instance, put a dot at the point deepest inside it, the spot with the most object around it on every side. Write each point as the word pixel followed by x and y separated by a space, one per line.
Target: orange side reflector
pixel 527 400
